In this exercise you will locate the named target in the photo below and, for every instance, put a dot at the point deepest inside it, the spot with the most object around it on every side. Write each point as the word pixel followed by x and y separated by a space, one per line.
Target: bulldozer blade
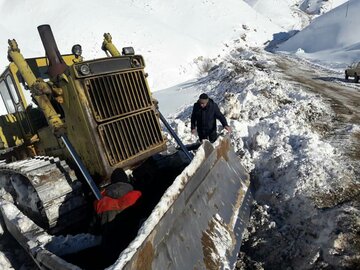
pixel 199 221
pixel 197 224
pixel 31 237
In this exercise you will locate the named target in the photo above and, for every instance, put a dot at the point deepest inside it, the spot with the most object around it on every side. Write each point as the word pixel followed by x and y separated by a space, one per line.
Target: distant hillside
pixel 332 37
pixel 170 34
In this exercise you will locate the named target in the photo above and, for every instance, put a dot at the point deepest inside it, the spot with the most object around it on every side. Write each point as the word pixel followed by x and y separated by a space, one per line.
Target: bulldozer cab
pixel 12 98
pixel 12 107
pixel 12 86
pixel 15 102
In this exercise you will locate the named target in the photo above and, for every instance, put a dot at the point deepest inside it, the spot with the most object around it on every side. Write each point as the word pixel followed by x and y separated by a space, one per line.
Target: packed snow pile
pixel 334 33
pixel 301 219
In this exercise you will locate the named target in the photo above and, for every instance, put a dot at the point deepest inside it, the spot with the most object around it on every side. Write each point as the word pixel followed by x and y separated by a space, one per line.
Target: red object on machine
pixel 110 204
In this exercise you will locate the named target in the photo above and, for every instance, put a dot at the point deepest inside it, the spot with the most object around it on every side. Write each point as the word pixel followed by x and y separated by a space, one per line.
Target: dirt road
pixel 342 95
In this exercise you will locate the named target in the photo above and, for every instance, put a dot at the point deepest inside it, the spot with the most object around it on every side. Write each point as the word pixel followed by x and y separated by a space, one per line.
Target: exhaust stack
pixel 57 65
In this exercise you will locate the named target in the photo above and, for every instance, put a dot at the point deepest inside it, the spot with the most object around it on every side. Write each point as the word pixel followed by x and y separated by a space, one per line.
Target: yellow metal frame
pixel 38 86
pixel 81 126
pixel 40 62
pixel 9 123
pixel 109 46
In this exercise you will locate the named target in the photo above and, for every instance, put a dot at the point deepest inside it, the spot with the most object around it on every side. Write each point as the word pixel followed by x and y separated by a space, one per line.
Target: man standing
pixel 203 118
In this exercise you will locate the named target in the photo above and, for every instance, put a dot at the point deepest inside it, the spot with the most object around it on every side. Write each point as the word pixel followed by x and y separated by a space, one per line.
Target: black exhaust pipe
pixel 57 65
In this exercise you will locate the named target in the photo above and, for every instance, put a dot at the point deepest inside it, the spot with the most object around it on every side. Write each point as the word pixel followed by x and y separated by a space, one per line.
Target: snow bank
pixel 332 37
pixel 276 123
pixel 278 133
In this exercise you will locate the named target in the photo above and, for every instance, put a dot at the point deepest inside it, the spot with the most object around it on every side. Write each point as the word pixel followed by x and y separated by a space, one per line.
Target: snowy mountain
pixel 293 14
pixel 280 131
pixel 285 14
pixel 170 34
pixel 331 38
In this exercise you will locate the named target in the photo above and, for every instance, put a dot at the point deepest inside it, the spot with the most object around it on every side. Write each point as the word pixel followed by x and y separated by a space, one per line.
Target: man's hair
pixel 203 96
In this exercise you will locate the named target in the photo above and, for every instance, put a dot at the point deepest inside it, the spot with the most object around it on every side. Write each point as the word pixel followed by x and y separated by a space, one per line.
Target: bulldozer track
pixel 46 189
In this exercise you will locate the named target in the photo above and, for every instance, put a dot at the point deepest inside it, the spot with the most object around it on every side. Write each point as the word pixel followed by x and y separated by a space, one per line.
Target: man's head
pixel 203 100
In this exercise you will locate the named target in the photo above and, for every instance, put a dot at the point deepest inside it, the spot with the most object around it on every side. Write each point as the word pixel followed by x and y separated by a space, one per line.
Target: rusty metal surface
pixel 203 228
pixel 131 136
pixel 117 94
pixel 125 117
pixel 46 189
pixel 26 234
pixel 57 65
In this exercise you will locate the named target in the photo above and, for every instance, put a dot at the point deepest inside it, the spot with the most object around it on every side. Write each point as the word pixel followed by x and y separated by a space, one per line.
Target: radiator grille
pixel 131 136
pixel 114 95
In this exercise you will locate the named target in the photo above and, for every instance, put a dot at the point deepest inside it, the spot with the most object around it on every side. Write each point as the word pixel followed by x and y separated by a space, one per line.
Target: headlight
pixel 76 50
pixel 128 51
pixel 84 70
pixel 135 62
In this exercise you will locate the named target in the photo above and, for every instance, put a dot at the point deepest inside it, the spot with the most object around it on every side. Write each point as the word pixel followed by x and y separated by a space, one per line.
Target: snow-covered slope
pixel 333 37
pixel 284 13
pixel 293 14
pixel 170 34
pixel 297 173
pixel 319 6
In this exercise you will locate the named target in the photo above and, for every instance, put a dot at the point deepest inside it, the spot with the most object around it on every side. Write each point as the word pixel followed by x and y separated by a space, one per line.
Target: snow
pixel 335 35
pixel 279 12
pixel 184 93
pixel 295 170
pixel 217 47
pixel 292 14
pixel 169 34
pixel 275 121
pixel 4 262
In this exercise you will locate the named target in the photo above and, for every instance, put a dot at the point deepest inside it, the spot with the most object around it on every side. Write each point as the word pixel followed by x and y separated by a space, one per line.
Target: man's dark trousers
pixel 211 137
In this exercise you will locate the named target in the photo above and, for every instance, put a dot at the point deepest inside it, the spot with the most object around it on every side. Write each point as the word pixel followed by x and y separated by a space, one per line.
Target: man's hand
pixel 193 131
pixel 228 128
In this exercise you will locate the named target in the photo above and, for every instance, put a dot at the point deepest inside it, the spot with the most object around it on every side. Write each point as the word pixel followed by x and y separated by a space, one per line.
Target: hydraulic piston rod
pixel 175 136
pixel 81 167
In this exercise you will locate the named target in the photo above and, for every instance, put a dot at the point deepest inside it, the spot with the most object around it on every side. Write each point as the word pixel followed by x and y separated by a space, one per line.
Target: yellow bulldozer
pixel 64 193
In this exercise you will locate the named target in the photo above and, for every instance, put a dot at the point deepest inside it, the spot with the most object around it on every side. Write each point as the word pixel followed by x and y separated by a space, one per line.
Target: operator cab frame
pixel 16 102
pixel 13 97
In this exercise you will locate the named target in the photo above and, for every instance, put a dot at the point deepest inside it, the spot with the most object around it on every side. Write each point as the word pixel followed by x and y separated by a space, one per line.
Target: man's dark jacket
pixel 205 118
